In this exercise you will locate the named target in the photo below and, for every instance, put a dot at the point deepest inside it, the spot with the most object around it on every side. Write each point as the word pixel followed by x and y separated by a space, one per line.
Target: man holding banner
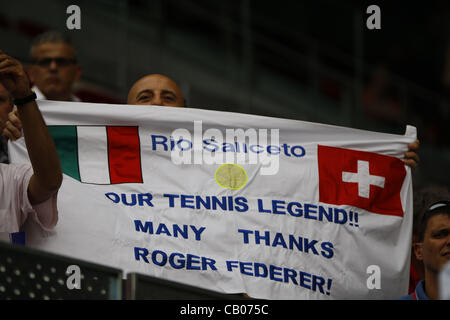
pixel 25 190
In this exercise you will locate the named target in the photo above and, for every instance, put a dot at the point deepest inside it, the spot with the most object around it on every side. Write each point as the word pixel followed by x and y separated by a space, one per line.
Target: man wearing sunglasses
pixel 54 68
pixel 432 248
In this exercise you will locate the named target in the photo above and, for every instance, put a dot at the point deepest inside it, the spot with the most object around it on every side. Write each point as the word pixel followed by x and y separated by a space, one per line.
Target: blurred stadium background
pixel 305 60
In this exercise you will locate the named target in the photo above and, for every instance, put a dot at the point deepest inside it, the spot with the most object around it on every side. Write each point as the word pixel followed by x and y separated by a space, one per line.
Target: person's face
pixel 54 70
pixel 434 251
pixel 6 107
pixel 156 90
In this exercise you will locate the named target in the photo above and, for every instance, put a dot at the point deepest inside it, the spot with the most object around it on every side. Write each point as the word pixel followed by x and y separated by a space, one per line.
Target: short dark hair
pixel 423 198
pixel 437 208
pixel 52 37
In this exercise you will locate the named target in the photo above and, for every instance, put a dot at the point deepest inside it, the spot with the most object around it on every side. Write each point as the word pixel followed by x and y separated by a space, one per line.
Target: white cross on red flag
pixel 366 180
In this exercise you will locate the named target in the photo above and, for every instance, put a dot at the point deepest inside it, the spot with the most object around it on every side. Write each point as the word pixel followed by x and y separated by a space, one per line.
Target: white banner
pixel 275 208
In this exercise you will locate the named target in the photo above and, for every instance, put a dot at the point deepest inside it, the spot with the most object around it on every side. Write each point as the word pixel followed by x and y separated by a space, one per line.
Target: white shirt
pixel 15 206
pixel 41 96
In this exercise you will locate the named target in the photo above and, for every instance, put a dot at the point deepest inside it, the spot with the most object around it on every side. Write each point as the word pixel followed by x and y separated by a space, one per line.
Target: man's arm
pixel 47 176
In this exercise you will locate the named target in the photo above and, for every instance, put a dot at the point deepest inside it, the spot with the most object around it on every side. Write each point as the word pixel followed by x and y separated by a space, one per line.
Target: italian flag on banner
pixel 99 154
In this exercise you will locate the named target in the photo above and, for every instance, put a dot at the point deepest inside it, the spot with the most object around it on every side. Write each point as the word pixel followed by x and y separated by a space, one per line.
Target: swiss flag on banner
pixel 366 180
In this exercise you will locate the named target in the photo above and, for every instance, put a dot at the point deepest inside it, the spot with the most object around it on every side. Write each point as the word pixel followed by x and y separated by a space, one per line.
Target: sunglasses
pixel 60 62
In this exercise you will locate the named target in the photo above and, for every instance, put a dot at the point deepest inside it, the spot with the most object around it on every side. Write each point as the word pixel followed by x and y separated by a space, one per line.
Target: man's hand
pixel 13 77
pixel 411 157
pixel 13 126
pixel 15 80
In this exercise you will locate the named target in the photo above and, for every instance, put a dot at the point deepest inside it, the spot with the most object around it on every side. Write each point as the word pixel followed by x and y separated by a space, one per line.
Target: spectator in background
pixel 156 90
pixel 423 198
pixel 380 99
pixel 381 103
pixel 432 248
pixel 6 106
pixel 54 68
pixel 53 71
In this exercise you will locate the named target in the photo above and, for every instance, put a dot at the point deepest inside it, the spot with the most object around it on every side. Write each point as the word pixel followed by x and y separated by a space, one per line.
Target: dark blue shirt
pixel 419 293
